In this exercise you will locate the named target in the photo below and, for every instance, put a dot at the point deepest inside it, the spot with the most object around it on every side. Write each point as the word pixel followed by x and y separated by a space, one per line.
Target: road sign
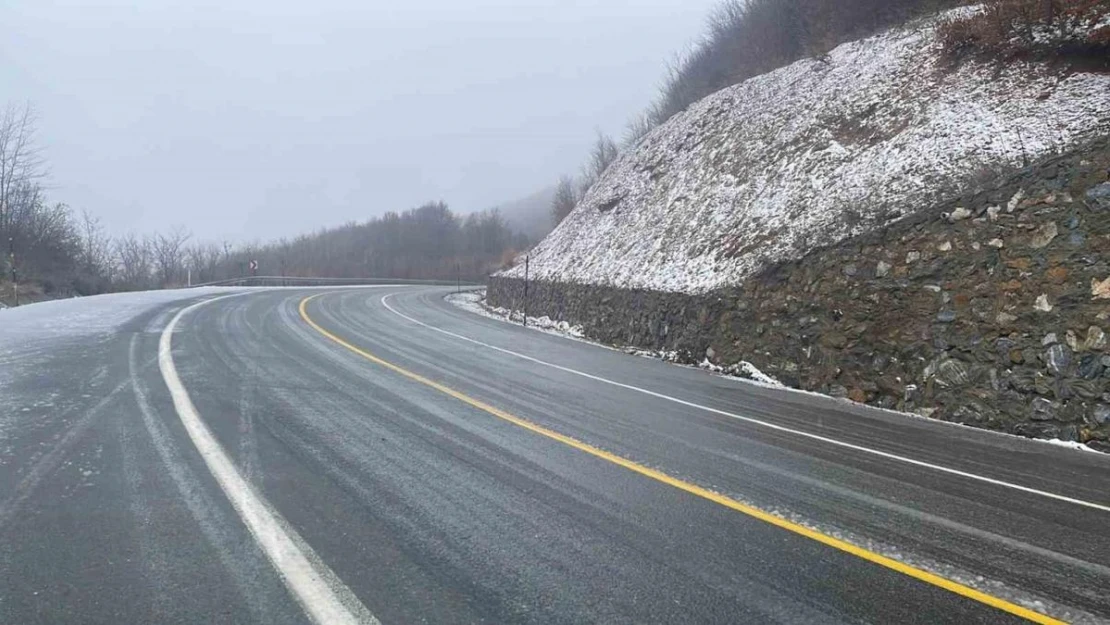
pixel 254 266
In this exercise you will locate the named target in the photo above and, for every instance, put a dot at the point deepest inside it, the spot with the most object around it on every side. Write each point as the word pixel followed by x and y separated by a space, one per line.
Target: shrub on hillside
pixel 1009 28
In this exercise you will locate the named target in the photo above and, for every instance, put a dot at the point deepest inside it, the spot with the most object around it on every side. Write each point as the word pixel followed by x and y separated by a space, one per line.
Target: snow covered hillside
pixel 810 154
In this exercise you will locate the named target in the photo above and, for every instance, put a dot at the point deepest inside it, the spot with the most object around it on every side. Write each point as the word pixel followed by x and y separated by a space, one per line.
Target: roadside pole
pixel 458 277
pixel 15 277
pixel 526 291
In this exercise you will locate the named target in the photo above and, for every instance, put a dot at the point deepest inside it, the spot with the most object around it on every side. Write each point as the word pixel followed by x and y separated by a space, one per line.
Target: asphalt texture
pixel 430 509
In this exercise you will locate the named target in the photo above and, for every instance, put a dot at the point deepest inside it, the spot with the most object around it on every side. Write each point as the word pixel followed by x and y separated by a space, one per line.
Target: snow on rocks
pixel 742 369
pixel 811 154
pixel 474 301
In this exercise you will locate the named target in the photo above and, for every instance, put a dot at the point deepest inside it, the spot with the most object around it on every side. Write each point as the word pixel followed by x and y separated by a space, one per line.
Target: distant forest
pixel 51 251
pixel 429 242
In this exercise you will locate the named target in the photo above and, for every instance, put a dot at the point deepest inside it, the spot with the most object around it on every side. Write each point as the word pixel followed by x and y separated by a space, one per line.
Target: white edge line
pixel 306 582
pixel 759 422
pixel 890 412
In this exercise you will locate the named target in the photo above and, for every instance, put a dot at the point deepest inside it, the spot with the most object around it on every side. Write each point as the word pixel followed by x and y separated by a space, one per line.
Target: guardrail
pixel 301 281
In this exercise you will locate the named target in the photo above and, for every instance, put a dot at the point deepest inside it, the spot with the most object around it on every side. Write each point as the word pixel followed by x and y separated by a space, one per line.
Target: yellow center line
pixel 694 489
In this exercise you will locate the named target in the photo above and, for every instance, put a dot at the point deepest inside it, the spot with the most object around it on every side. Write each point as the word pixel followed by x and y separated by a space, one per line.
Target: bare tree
pixel 212 254
pixel 602 155
pixel 134 256
pixel 21 165
pixel 637 129
pixel 564 200
pixel 194 256
pixel 96 248
pixel 169 254
pixel 204 261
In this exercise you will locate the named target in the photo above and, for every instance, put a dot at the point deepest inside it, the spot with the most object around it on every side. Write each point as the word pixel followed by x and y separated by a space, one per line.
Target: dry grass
pixel 1032 28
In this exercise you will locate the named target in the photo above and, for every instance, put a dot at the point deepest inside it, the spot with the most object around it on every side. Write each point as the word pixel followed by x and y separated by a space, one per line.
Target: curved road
pixel 379 454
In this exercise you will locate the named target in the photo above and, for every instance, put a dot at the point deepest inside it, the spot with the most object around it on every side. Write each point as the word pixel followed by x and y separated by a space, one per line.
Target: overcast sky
pixel 253 119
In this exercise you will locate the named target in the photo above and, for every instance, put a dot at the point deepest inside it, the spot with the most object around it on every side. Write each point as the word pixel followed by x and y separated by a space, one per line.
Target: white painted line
pixel 759 422
pixel 306 576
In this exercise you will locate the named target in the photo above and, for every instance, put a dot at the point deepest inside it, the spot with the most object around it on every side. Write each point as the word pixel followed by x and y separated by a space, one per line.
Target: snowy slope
pixel 810 154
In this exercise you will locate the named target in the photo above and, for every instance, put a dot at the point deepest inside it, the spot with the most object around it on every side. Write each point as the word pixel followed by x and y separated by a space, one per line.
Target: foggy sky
pixel 254 119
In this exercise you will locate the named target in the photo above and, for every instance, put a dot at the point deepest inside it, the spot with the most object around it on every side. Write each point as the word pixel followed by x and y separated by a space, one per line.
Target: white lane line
pixel 306 576
pixel 760 422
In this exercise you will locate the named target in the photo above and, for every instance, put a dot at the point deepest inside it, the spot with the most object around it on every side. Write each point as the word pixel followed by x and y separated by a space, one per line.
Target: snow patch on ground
pixel 742 369
pixel 1069 444
pixel 475 302
pixel 35 335
pixel 811 154
pixel 85 316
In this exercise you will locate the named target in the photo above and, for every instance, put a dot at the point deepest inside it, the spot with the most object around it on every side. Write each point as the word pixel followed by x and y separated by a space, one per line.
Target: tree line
pixel 53 251
pixel 427 242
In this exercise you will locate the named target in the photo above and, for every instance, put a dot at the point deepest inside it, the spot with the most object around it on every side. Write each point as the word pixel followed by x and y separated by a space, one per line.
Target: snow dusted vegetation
pixel 811 154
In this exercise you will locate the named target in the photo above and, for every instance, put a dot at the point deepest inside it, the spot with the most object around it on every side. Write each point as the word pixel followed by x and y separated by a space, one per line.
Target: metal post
pixel 15 277
pixel 526 291
pixel 458 277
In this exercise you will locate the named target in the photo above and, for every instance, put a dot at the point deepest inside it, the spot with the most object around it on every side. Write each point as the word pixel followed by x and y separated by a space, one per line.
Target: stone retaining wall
pixel 991 310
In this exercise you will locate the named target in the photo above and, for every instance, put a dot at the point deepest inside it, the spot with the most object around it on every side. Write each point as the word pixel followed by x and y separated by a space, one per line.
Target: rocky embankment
pixel 991 309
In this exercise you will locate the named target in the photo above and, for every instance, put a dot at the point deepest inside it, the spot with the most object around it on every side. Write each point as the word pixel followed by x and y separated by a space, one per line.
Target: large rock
pixel 1099 195
pixel 1043 236
pixel 1058 359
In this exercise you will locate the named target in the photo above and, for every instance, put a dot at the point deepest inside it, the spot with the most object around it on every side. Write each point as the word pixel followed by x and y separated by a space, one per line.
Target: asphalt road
pixel 411 462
